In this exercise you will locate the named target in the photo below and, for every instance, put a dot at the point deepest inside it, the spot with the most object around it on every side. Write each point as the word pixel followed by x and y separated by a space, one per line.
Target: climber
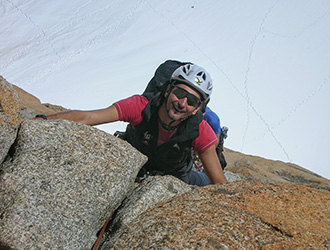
pixel 166 126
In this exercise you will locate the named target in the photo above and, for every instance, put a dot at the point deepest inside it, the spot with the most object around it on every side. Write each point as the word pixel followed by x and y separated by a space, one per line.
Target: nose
pixel 183 102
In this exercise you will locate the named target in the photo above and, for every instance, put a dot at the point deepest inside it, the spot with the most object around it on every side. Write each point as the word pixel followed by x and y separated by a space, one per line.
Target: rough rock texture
pixel 9 119
pixel 239 215
pixel 16 105
pixel 61 183
pixel 150 192
pixel 231 177
pixel 249 167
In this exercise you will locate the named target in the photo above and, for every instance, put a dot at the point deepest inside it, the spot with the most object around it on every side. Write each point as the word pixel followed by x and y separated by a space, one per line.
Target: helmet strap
pixel 166 98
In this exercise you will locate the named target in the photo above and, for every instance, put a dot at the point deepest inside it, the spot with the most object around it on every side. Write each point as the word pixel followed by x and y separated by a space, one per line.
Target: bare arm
pixel 93 117
pixel 212 166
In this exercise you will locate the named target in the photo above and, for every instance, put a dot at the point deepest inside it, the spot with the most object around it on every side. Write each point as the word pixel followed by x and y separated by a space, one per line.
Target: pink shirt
pixel 130 110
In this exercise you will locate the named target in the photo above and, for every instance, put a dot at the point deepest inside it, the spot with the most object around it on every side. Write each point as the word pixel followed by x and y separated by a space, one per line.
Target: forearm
pixel 93 117
pixel 216 176
pixel 73 115
pixel 212 166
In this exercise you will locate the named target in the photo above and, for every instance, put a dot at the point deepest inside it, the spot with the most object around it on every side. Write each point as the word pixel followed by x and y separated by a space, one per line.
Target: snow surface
pixel 270 62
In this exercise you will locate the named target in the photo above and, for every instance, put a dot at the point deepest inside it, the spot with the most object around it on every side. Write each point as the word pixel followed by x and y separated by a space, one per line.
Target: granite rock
pixel 9 116
pixel 61 182
pixel 148 194
pixel 238 215
pixel 248 167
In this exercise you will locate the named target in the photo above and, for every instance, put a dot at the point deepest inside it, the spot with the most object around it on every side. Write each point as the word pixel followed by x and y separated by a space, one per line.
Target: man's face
pixel 182 101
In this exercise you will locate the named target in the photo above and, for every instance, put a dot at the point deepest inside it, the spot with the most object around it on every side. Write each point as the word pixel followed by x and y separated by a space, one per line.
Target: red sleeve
pixel 206 138
pixel 130 109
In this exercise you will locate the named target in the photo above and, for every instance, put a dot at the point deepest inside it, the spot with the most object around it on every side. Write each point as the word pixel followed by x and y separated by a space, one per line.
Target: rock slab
pixel 150 192
pixel 9 116
pixel 145 196
pixel 248 167
pixel 61 183
pixel 238 215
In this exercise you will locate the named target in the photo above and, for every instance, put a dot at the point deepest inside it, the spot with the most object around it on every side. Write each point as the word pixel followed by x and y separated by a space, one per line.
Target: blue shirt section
pixel 212 119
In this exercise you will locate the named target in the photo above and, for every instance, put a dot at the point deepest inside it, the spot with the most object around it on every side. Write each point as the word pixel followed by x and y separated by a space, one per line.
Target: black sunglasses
pixel 192 100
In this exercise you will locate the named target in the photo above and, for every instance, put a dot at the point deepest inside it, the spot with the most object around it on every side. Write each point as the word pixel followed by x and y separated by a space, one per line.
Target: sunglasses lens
pixel 191 99
pixel 180 93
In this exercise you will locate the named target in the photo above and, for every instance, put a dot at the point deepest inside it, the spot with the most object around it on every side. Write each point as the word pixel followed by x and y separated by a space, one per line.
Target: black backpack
pixel 161 78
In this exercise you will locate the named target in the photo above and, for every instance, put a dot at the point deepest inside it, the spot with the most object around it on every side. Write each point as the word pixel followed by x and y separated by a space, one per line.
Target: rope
pixel 96 245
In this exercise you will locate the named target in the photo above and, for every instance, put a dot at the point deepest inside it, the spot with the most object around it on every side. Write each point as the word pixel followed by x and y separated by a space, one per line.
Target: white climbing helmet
pixel 196 77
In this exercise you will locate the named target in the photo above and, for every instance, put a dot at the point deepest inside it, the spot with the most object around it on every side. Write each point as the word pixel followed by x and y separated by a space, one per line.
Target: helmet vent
pixel 202 74
pixel 209 86
pixel 186 69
